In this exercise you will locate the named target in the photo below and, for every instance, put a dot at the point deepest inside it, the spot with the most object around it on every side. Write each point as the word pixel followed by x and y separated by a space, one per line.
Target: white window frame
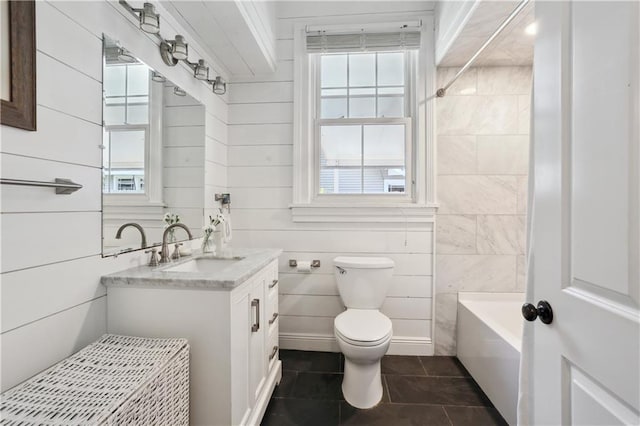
pixel 153 182
pixel 417 204
pixel 407 121
pixel 124 128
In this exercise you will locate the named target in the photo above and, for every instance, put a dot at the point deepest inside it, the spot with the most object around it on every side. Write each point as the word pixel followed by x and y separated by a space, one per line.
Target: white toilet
pixel 362 331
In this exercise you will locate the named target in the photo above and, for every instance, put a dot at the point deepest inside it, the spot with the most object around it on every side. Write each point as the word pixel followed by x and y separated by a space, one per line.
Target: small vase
pixel 218 239
pixel 208 246
pixel 171 236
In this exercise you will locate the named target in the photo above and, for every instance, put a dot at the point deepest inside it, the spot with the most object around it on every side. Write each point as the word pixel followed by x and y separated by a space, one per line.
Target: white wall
pixel 52 302
pixel 483 150
pixel 260 181
pixel 183 156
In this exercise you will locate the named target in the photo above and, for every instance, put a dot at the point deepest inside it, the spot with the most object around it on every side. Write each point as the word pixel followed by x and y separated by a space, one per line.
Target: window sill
pixel 363 213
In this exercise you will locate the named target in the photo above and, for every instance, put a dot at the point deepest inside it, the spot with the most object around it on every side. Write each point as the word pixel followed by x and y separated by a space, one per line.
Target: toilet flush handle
pixel 341 270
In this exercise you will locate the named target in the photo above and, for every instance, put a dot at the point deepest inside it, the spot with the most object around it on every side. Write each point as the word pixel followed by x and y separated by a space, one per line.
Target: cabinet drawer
pixel 272 345
pixel 271 312
pixel 272 277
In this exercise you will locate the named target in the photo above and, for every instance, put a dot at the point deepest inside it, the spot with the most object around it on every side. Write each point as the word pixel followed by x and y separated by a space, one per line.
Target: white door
pixel 586 230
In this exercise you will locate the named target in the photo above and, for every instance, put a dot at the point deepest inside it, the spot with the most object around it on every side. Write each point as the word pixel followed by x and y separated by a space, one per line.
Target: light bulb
pixel 180 48
pixel 157 77
pixel 201 70
pixel 149 19
pixel 219 86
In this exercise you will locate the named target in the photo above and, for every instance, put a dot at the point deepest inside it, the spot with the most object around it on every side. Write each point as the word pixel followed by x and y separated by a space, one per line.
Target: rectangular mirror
pixel 153 154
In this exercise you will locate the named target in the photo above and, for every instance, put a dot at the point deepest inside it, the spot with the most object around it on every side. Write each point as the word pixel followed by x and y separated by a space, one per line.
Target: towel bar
pixel 62 186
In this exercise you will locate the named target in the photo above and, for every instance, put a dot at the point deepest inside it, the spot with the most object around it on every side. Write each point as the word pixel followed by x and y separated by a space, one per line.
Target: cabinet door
pixel 240 334
pixel 257 356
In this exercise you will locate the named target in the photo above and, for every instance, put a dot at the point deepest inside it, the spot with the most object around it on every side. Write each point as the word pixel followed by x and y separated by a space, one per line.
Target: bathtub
pixel 489 341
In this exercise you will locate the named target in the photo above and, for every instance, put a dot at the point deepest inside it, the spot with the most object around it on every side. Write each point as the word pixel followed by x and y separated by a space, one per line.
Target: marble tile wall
pixel 483 150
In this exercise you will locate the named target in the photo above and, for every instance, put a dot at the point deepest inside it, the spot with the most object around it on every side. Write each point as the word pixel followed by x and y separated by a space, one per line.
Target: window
pixel 126 127
pixel 363 123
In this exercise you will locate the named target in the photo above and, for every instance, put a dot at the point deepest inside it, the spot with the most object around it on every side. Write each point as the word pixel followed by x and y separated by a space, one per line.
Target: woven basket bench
pixel 117 380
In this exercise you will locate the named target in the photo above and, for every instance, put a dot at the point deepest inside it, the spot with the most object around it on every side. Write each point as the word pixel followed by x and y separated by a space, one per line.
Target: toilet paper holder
pixel 293 263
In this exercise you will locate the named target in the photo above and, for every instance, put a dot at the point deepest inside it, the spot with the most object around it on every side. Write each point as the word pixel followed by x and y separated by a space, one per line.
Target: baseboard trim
pixel 400 345
pixel 411 346
pixel 308 342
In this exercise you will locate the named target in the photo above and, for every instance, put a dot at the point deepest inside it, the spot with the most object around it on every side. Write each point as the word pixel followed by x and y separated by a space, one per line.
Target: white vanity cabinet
pixel 251 314
pixel 233 333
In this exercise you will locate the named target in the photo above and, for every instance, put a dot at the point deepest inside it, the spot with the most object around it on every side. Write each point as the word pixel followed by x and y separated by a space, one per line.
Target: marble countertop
pixel 227 278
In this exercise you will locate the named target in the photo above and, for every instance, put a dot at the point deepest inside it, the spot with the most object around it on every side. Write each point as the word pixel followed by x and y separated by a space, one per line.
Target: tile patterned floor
pixel 417 391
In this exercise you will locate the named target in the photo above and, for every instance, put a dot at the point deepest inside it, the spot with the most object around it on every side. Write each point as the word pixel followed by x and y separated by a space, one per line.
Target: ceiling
pixel 226 29
pixel 240 35
pixel 512 47
pixel 236 34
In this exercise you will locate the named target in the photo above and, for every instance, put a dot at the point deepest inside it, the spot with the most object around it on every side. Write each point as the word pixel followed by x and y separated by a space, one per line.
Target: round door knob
pixel 542 311
pixel 529 312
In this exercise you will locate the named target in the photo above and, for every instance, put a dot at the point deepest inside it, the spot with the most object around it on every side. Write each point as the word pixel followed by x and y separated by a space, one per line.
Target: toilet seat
pixel 363 327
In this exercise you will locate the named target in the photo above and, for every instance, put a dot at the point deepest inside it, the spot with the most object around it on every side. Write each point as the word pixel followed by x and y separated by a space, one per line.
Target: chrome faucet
pixel 164 256
pixel 143 244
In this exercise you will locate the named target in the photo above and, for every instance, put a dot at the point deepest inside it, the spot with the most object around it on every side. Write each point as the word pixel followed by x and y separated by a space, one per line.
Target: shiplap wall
pixel 260 181
pixel 52 301
pixel 183 157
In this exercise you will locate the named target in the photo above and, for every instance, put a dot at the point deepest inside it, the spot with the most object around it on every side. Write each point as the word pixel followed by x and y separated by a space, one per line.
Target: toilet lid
pixel 363 325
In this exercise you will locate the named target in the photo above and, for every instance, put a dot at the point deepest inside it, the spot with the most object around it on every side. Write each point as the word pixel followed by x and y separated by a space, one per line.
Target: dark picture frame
pixel 20 110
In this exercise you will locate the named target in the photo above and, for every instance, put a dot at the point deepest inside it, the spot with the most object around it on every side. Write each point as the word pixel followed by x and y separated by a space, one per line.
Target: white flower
pixel 218 219
pixel 170 219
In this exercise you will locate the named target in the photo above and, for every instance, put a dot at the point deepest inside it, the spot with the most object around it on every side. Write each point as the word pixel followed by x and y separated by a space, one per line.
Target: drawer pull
pixel 273 353
pixel 273 284
pixel 255 303
pixel 273 319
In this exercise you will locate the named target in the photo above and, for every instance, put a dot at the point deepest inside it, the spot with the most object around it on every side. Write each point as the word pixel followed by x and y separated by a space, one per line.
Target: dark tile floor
pixel 417 391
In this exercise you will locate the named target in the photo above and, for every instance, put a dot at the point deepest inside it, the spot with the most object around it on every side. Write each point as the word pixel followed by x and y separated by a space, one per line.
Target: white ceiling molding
pixel 259 17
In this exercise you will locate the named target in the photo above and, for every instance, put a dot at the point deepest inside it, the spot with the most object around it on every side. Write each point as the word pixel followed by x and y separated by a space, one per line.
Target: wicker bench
pixel 117 380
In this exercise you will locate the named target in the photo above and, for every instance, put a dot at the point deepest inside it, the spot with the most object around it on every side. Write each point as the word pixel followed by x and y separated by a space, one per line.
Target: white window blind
pixel 328 41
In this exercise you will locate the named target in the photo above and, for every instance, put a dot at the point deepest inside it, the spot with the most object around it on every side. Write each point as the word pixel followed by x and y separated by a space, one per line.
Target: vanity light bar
pixel 176 50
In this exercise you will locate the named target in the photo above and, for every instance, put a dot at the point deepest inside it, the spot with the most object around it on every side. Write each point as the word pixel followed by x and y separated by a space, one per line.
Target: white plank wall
pixel 184 160
pixel 260 181
pixel 51 298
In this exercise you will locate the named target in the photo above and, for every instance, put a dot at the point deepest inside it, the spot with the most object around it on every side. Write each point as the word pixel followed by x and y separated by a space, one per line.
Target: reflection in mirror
pixel 153 155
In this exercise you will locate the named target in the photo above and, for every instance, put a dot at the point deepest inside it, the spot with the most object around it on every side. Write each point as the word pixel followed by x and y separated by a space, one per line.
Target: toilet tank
pixel 363 282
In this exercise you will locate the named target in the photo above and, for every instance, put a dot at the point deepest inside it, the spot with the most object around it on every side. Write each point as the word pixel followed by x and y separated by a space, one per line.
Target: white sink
pixel 204 265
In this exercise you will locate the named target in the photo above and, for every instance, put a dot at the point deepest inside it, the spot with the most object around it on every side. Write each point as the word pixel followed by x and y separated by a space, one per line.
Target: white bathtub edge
pixel 467 299
pixel 491 358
